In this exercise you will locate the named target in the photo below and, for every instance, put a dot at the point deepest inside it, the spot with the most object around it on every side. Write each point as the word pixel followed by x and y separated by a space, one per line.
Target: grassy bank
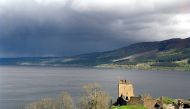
pixel 128 107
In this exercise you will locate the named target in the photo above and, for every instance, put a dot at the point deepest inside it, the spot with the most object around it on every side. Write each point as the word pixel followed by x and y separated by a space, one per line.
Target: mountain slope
pixel 167 53
pixel 160 51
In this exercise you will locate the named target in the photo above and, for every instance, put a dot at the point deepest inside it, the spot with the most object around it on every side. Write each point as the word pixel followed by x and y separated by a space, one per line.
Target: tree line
pixel 93 97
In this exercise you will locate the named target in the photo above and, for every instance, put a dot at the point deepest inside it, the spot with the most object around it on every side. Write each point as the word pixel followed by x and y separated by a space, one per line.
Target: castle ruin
pixel 125 88
pixel 126 96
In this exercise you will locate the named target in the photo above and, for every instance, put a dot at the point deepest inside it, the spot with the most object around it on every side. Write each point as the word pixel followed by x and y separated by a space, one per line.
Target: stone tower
pixel 125 88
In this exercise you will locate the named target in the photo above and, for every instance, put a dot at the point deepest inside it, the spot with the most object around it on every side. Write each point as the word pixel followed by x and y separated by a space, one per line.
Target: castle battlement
pixel 124 82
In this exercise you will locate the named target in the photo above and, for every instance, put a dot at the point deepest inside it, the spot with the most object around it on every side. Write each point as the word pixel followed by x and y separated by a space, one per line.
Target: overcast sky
pixel 70 27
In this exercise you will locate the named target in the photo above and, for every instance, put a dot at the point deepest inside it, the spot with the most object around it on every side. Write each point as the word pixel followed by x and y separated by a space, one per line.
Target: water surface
pixel 21 85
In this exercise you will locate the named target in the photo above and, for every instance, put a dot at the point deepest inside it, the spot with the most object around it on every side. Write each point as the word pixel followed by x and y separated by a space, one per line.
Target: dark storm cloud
pixel 63 27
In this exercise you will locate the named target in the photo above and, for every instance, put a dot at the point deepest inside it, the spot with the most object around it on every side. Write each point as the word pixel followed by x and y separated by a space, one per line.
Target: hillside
pixel 167 54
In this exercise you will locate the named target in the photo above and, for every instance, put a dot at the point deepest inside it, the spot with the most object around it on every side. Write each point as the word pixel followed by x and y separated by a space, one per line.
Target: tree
pixel 94 98
pixel 47 103
pixel 65 101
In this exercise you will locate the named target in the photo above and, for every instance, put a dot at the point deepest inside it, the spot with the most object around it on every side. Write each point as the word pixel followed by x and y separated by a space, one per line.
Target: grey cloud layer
pixel 65 27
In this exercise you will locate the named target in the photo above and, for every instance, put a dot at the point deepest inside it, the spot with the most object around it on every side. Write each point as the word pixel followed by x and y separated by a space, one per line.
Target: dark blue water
pixel 21 85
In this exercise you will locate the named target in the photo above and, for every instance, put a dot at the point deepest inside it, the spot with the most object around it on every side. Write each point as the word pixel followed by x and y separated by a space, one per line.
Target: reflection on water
pixel 21 85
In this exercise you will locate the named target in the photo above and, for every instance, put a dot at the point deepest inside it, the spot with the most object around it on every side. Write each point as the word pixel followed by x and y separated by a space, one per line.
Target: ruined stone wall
pixel 130 89
pixel 136 101
pixel 122 90
pixel 146 102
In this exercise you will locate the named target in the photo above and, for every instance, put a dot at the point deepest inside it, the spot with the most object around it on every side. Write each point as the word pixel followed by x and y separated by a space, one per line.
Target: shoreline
pixel 133 67
pixel 108 66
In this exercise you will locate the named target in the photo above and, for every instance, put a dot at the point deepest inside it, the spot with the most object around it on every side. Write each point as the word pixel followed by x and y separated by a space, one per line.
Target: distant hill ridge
pixel 168 53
